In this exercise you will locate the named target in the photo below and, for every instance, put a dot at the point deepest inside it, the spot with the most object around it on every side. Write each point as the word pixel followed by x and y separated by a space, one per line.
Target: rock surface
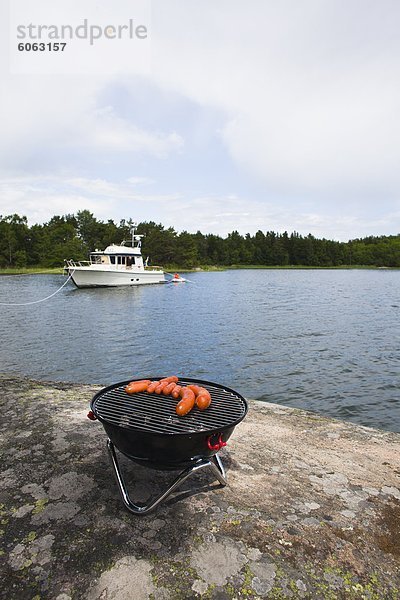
pixel 311 509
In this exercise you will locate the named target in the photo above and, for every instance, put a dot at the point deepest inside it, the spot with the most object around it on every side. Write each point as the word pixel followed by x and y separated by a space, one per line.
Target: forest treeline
pixel 75 235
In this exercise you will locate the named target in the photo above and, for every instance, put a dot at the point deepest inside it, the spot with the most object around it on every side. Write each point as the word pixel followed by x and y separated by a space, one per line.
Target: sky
pixel 259 115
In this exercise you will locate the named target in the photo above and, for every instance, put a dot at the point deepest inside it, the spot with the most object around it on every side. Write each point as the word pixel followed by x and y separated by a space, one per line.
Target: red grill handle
pixel 220 444
pixel 211 446
pixel 91 415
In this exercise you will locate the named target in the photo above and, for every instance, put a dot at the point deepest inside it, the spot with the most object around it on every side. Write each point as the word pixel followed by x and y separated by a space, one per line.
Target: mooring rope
pixel 37 301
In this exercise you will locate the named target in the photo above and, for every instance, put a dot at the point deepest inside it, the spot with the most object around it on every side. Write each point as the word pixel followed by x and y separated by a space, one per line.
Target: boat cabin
pixel 118 257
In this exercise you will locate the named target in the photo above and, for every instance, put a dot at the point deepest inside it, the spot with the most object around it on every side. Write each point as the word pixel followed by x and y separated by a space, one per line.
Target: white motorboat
pixel 116 265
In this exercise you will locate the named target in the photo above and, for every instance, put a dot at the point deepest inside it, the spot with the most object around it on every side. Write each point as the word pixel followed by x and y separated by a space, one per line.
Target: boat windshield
pixel 95 259
pixel 122 260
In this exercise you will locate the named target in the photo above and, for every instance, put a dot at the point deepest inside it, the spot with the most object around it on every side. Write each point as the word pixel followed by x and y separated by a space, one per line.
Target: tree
pixel 186 253
pixel 216 249
pixel 159 243
pixel 74 236
pixel 57 240
pixel 14 241
pixel 88 229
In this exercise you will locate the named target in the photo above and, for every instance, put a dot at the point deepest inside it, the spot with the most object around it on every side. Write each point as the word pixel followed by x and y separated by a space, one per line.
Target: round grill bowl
pixel 146 428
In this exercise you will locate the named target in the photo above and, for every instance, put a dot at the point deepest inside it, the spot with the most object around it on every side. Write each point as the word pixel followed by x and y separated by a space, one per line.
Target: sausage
pixel 203 401
pixel 161 386
pixel 185 405
pixel 152 387
pixel 170 379
pixel 195 388
pixel 176 391
pixel 137 386
pixel 169 388
pixel 187 402
pixel 203 396
pixel 154 384
pixel 204 392
pixel 185 391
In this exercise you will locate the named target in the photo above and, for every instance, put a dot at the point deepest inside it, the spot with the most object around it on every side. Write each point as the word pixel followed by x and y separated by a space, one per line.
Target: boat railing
pixel 78 263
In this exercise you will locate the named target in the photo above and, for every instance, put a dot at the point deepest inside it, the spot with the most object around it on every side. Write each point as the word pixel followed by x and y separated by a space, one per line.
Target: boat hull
pixel 86 277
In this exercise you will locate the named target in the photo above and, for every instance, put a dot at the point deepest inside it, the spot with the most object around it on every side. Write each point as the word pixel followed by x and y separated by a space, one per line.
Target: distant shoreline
pixel 204 268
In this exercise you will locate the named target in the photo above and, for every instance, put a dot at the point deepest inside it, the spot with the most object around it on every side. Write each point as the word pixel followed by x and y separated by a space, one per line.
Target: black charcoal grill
pixel 145 428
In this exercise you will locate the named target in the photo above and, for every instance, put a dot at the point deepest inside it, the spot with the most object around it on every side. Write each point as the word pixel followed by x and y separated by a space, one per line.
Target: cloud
pixel 59 127
pixel 140 180
pixel 282 115
pixel 310 90
pixel 105 131
pixel 42 197
pixel 104 188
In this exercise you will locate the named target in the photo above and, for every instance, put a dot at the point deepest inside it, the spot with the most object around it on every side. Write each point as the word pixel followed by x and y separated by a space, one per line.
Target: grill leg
pixel 214 462
pixel 218 469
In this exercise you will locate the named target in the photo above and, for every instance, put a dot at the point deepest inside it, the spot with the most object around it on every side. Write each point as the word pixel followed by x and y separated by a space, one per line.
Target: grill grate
pixel 156 413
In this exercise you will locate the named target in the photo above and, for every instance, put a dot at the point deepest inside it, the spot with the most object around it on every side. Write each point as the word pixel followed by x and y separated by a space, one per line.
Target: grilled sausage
pixel 195 388
pixel 204 392
pixel 137 386
pixel 186 404
pixel 161 386
pixel 169 388
pixel 176 391
pixel 170 379
pixel 152 387
pixel 203 396
pixel 203 401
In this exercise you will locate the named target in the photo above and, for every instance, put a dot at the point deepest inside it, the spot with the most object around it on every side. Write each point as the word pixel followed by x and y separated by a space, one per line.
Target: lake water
pixel 324 340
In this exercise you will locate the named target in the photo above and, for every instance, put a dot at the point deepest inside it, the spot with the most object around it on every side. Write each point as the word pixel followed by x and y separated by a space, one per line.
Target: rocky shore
pixel 311 509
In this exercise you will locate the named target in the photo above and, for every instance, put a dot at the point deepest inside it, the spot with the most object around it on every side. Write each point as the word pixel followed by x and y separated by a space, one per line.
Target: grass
pixel 177 268
pixel 302 267
pixel 32 271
